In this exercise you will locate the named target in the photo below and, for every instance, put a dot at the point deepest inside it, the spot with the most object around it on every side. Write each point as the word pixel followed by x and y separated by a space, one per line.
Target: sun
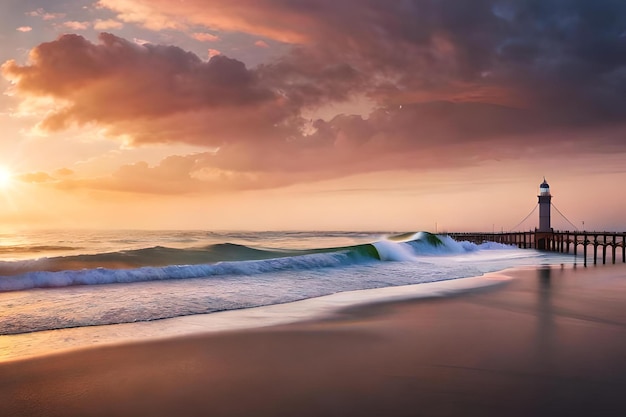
pixel 5 177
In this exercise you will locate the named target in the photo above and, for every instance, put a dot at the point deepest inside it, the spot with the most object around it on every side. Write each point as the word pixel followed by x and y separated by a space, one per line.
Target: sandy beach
pixel 551 342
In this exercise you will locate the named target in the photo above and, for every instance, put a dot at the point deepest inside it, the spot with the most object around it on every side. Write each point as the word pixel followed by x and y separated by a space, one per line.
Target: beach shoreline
pixel 550 342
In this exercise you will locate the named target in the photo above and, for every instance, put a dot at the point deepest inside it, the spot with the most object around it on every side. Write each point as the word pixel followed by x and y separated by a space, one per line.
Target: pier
pixel 546 238
pixel 601 244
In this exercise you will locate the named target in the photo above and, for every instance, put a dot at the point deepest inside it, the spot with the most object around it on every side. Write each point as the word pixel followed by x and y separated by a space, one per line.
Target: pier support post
pixel 613 251
pixel 585 251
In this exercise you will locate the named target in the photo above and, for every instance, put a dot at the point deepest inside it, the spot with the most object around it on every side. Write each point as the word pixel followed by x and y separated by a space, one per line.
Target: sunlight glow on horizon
pixel 6 177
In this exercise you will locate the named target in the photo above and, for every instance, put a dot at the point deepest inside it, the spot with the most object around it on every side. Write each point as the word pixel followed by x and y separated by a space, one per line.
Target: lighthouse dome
pixel 544 188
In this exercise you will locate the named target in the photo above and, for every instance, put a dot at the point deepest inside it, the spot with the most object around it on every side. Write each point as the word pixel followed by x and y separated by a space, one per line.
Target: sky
pixel 441 115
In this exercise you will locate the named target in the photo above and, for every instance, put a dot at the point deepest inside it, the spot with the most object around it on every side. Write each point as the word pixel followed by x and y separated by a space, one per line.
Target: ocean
pixel 76 287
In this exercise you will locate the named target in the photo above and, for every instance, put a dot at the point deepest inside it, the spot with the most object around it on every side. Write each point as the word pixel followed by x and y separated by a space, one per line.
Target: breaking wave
pixel 161 263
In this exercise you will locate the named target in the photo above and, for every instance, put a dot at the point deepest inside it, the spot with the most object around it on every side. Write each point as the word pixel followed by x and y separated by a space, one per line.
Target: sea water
pixel 67 289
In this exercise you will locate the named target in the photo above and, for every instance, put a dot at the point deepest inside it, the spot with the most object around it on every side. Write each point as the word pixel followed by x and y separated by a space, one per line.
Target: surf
pixel 161 263
pixel 94 295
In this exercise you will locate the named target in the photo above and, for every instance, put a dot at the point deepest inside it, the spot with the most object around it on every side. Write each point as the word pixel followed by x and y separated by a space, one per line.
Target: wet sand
pixel 552 342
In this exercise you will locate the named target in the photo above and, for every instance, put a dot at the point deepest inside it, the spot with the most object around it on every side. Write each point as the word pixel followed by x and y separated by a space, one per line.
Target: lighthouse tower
pixel 544 207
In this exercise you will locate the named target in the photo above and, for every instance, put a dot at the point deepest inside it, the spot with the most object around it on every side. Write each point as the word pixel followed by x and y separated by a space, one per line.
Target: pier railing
pixel 557 241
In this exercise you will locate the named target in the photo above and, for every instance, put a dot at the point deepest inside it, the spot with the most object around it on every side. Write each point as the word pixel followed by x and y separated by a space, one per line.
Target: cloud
pixel 261 44
pixel 108 24
pixel 205 37
pixel 141 42
pixel 452 84
pixel 75 25
pixel 418 137
pixel 35 177
pixel 40 177
pixel 568 54
pixel 64 172
pixel 24 29
pixel 41 13
pixel 245 15
pixel 142 12
pixel 178 175
pixel 147 92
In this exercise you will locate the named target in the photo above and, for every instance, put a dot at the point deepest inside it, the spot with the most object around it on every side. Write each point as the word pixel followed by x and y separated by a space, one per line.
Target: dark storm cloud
pixel 566 57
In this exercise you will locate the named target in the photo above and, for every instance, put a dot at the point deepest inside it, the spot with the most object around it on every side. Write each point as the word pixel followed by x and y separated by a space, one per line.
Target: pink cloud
pixel 75 25
pixel 45 15
pixel 108 24
pixel 245 15
pixel 441 97
pixel 334 36
pixel 35 177
pixel 422 48
pixel 205 37
pixel 163 94
pixel 64 172
pixel 128 88
pixel 24 29
pixel 144 13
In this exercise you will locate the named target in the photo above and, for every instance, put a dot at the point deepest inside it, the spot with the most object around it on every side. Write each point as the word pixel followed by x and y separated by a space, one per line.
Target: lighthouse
pixel 544 207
